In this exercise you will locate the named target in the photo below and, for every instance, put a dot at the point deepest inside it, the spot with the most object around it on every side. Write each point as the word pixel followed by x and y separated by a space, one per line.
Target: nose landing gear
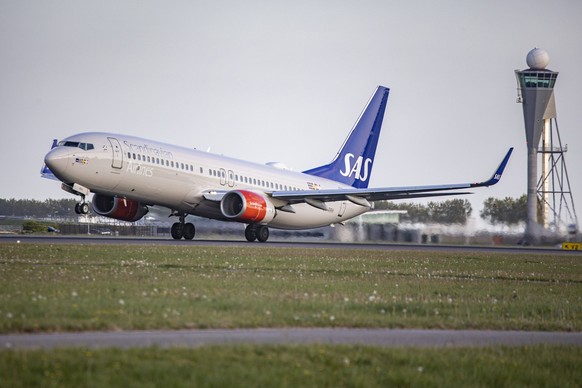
pixel 82 208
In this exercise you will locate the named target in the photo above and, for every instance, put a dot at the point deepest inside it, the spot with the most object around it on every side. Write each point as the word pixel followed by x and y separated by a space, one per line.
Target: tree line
pixel 506 211
pixel 34 208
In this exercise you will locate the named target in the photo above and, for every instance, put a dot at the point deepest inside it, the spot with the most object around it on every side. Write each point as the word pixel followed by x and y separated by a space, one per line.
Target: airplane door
pixel 117 154
pixel 342 209
pixel 222 176
pixel 230 178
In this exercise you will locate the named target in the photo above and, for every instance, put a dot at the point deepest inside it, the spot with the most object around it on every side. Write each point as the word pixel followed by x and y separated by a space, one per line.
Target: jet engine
pixel 118 208
pixel 247 206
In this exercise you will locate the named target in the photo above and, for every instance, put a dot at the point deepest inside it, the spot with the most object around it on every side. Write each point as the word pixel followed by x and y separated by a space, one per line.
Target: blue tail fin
pixel 353 163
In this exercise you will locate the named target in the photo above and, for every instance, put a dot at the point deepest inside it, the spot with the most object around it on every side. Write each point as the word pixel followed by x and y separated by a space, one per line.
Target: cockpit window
pixel 76 144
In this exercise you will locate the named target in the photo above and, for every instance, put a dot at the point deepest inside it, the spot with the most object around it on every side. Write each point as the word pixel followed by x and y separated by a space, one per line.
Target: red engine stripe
pixel 256 208
pixel 126 210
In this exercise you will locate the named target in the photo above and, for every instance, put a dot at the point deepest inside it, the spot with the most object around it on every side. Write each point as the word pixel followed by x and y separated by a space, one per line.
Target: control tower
pixel 548 194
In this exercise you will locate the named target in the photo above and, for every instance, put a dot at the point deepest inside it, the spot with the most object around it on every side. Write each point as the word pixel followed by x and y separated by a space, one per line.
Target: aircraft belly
pixel 307 216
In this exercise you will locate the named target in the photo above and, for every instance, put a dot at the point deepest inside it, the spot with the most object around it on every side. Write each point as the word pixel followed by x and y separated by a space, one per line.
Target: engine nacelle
pixel 118 208
pixel 247 206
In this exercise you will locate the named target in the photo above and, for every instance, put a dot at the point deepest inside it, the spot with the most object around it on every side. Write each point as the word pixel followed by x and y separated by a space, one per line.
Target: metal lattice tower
pixel 553 189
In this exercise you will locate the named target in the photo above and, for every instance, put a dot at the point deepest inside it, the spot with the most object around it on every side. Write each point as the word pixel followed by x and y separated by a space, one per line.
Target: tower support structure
pixel 553 188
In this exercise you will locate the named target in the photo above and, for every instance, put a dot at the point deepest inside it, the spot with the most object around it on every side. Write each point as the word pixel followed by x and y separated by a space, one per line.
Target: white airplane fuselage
pixel 179 178
pixel 129 174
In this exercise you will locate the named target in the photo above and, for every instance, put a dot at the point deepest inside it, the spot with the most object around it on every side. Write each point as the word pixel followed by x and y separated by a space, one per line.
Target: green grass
pixel 294 366
pixel 99 287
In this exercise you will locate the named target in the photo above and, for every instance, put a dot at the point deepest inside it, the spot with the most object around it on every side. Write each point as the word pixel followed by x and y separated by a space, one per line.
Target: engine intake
pixel 247 206
pixel 118 208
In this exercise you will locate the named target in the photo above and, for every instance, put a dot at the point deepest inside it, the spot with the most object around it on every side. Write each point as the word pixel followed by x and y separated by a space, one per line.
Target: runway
pixel 289 336
pixel 82 239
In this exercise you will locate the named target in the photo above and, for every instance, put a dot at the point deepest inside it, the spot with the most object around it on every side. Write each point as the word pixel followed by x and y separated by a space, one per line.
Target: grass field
pixel 294 366
pixel 98 287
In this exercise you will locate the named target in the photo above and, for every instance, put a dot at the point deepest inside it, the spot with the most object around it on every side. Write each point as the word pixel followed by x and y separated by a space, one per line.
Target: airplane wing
pixel 317 198
pixel 362 196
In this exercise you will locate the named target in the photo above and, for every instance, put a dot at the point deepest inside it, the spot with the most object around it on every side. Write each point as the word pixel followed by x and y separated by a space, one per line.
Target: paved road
pixel 280 244
pixel 376 337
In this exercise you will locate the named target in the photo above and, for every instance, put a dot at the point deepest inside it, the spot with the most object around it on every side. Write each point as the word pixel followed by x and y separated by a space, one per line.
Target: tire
pixel 262 233
pixel 84 208
pixel 189 231
pixel 177 231
pixel 251 233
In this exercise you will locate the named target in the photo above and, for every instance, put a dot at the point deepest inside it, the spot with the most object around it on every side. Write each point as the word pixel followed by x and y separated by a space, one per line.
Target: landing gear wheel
pixel 189 231
pixel 262 233
pixel 177 231
pixel 251 233
pixel 82 208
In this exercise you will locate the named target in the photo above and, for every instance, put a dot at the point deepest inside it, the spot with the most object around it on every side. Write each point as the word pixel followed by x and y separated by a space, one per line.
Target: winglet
pixel 497 175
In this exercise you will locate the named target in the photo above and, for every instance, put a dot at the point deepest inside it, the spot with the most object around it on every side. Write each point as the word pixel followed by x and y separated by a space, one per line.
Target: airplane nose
pixel 57 160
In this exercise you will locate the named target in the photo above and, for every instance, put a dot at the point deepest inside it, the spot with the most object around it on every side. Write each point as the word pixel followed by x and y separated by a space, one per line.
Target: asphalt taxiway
pixel 304 336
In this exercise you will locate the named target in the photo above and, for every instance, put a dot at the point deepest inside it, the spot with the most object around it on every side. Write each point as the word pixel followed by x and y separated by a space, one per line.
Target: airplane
pixel 128 174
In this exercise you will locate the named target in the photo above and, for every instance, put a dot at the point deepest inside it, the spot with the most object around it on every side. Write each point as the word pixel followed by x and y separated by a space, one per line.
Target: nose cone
pixel 57 160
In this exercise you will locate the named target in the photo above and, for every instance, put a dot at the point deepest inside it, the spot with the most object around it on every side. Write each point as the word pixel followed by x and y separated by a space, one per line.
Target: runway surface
pixel 57 239
pixel 372 337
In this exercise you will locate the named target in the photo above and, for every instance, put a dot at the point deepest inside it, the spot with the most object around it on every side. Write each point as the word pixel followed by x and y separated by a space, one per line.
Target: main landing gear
pixel 183 229
pixel 186 230
pixel 256 232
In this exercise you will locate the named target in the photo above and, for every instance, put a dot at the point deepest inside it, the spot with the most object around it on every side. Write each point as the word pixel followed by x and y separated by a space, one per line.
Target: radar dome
pixel 537 59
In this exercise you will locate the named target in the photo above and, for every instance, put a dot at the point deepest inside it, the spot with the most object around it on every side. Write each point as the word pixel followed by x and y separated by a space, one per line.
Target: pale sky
pixel 286 80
